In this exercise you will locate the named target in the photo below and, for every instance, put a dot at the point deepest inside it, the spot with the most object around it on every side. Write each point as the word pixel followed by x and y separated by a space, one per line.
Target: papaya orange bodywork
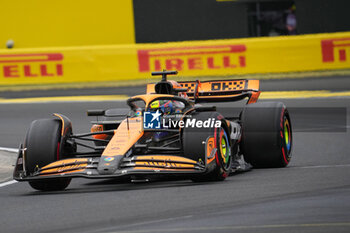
pixel 167 158
pixel 160 169
pixel 128 133
pixel 65 161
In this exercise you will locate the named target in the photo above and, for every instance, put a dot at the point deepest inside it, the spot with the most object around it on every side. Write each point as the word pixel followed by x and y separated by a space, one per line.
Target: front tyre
pixel 223 155
pixel 42 145
pixel 50 185
pixel 194 147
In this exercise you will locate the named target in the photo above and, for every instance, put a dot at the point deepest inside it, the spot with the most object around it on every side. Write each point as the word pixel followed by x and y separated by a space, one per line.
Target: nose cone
pixel 108 164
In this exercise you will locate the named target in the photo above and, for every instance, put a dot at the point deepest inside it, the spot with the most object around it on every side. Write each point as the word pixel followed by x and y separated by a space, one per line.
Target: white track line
pixel 9 149
pixel 325 166
pixel 8 183
pixel 12 150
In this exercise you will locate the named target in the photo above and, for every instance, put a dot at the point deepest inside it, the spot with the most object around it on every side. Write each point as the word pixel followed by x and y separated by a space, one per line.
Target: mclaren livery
pixel 171 131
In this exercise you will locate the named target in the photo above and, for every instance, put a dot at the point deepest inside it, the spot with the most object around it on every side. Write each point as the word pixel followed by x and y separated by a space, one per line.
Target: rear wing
pixel 217 90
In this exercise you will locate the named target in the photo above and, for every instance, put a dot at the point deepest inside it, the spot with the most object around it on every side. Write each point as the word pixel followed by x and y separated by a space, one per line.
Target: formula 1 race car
pixel 172 131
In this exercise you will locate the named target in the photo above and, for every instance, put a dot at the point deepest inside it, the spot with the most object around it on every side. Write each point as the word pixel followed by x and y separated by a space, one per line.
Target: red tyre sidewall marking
pixel 284 156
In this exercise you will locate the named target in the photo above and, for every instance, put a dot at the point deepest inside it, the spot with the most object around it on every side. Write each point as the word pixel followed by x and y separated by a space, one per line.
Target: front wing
pixel 87 167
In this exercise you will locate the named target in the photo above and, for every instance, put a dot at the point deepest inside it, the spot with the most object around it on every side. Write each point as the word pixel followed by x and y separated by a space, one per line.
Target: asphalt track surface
pixel 311 195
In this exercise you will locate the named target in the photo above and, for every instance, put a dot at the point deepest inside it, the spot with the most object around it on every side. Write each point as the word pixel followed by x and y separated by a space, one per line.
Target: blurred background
pixel 67 42
pixel 39 23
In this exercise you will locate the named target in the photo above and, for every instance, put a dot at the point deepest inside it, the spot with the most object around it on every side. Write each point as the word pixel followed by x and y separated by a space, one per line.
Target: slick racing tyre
pixel 42 145
pixel 194 148
pixel 266 135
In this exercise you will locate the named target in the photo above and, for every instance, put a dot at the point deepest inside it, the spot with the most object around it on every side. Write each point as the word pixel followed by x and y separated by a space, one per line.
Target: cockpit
pixel 165 106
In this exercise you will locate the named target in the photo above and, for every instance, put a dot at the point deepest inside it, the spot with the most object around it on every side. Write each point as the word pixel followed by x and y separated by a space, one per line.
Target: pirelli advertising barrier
pixel 203 58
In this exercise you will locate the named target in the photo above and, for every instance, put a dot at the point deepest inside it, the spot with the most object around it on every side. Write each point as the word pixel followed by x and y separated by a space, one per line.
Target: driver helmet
pixel 167 106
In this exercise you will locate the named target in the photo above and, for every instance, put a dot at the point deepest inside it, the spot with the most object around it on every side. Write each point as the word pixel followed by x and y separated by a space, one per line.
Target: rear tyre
pixel 194 148
pixel 266 135
pixel 42 145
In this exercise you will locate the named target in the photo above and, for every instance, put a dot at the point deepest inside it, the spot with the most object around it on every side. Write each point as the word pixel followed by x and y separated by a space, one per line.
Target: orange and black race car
pixel 170 131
